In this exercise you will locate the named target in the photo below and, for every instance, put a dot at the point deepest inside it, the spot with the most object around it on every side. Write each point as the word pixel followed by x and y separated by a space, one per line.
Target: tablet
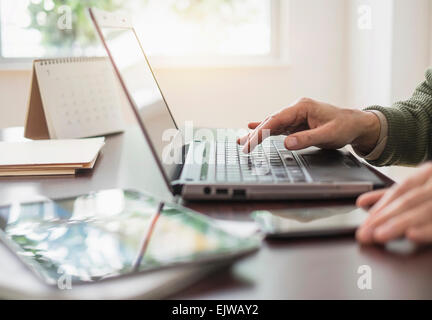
pixel 312 221
pixel 113 233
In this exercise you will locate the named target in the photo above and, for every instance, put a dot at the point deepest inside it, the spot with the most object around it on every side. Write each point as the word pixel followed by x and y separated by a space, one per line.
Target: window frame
pixel 277 56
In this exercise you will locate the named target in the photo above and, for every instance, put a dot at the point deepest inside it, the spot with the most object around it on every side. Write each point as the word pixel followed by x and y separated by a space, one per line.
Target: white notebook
pixel 73 98
pixel 49 153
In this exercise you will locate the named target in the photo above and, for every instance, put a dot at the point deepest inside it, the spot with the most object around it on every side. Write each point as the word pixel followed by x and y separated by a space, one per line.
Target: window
pixel 187 30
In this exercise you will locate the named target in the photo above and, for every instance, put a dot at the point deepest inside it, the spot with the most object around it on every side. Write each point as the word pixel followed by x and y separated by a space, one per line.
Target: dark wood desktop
pixel 314 268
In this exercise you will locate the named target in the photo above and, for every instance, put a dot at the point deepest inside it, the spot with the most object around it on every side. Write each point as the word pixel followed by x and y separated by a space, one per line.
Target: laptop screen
pixel 147 99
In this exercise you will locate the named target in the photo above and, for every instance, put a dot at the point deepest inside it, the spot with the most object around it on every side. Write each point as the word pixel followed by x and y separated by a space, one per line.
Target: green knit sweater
pixel 409 139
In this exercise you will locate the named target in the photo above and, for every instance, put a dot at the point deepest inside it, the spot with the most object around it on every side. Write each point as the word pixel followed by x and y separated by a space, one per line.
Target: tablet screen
pixel 310 221
pixel 111 233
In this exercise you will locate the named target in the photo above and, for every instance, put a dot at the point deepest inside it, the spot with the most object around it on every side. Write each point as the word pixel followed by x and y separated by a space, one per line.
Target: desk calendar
pixel 73 98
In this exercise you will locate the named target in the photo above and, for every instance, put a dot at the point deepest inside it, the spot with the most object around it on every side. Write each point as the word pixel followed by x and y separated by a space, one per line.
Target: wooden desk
pixel 323 268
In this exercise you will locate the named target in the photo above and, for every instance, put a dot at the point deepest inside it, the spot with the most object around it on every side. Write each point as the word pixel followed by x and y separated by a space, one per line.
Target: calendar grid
pixel 80 96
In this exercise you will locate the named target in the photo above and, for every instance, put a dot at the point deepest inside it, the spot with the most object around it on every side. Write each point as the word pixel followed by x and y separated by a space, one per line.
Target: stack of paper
pixel 48 157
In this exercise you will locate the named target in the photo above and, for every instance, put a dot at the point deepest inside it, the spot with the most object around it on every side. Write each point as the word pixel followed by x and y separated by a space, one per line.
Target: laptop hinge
pixel 177 187
pixel 176 176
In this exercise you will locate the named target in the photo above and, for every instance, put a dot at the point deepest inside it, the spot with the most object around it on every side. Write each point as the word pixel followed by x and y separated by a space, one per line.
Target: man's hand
pixel 312 123
pixel 402 210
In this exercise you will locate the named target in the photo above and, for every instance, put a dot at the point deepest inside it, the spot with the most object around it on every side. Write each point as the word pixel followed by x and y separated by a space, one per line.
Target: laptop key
pixel 299 179
pixel 284 179
pixel 265 178
pixel 233 179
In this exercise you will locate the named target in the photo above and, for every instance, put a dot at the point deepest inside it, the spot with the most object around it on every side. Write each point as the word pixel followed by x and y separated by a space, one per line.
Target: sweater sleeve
pixel 409 128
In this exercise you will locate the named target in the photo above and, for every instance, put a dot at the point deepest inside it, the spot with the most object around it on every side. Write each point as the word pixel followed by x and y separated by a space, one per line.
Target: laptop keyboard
pixel 268 162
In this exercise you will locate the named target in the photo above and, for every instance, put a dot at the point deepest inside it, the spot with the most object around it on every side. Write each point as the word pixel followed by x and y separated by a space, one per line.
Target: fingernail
pixel 291 142
pixel 365 234
pixel 382 231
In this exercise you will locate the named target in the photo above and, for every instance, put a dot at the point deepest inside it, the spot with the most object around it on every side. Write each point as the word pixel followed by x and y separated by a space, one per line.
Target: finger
pixel 397 226
pixel 293 115
pixel 308 138
pixel 258 137
pixel 420 177
pixel 263 130
pixel 420 234
pixel 253 125
pixel 244 139
pixel 397 192
pixel 247 141
pixel 406 202
pixel 368 199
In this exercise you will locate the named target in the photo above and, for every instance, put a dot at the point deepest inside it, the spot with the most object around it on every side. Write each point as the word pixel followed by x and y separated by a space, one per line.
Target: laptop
pixel 216 168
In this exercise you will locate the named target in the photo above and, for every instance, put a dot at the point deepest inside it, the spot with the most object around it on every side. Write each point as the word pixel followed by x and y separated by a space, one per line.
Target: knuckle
pixel 427 164
pixel 422 192
pixel 304 100
pixel 274 116
pixel 428 167
pixel 307 138
pixel 274 119
pixel 408 201
pixel 397 189
pixel 401 189
pixel 425 191
pixel 407 183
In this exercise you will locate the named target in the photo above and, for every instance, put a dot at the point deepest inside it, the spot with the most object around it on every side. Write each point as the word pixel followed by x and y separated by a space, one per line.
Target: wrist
pixel 369 127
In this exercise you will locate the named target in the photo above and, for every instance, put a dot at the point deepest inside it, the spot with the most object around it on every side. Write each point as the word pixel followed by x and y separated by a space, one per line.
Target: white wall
pixel 14 89
pixel 430 34
pixel 370 54
pixel 388 61
pixel 229 97
pixel 410 50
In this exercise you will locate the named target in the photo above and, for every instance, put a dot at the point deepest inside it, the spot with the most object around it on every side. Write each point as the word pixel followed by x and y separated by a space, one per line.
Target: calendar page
pixel 80 97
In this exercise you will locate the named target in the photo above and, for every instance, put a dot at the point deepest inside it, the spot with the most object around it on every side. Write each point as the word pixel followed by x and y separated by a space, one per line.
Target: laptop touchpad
pixel 335 166
pixel 328 158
